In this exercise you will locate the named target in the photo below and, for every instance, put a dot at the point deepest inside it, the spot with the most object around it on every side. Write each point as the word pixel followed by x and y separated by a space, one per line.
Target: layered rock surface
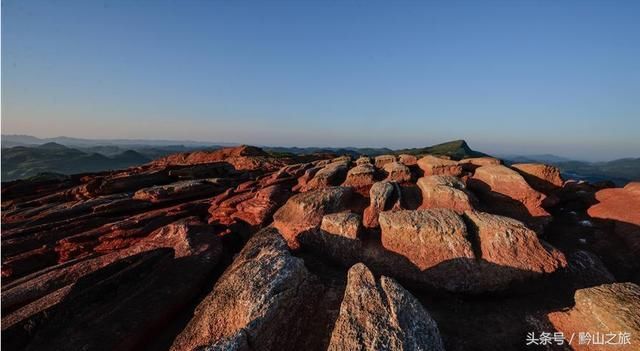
pixel 234 249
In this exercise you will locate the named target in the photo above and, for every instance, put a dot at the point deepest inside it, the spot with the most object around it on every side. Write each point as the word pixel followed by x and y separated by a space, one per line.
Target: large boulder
pixel 504 191
pixel 506 242
pixel 363 160
pixel 408 160
pixel 383 196
pixel 262 299
pixel 362 175
pixel 541 177
pixel 345 224
pixel 470 164
pixel 397 172
pixel 332 174
pixel 621 208
pixel 381 316
pixel 426 237
pixel 432 165
pixel 304 211
pixel 382 160
pixel 445 192
pixel 604 309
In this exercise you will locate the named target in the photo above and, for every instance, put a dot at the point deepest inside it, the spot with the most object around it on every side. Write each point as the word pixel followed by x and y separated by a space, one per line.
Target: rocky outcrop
pixel 382 160
pixel 383 196
pixel 426 237
pixel 332 174
pixel 543 178
pixel 408 160
pixel 505 192
pixel 397 172
pixel 120 259
pixel 445 192
pixel 305 211
pixel 381 315
pixel 507 242
pixel 262 300
pixel 470 164
pixel 362 175
pixel 111 301
pixel 620 207
pixel 245 158
pixel 345 224
pixel 432 165
pixel 603 309
pixel 183 190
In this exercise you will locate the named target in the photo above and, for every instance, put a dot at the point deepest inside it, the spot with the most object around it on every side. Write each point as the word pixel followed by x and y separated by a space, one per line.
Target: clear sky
pixel 524 77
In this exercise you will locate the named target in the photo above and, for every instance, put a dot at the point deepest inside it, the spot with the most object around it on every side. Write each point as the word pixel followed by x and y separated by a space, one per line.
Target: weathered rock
pixel 382 160
pixel 362 175
pixel 330 175
pixel 185 237
pixel 397 172
pixel 445 192
pixel 111 301
pixel 265 294
pixel 426 237
pixel 126 182
pixel 507 242
pixel 305 211
pixel 187 189
pixel 382 316
pixel 384 196
pixel 603 309
pixel 363 160
pixel 241 158
pixel 543 178
pixel 259 209
pixel 506 192
pixel 621 207
pixel 470 164
pixel 408 160
pixel 432 165
pixel 344 224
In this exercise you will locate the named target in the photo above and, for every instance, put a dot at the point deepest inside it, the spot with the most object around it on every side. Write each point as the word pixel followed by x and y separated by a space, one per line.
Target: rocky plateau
pixel 237 249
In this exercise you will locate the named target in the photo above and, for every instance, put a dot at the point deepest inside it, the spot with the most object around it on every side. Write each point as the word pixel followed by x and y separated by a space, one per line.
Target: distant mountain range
pixel 25 156
pixel 27 161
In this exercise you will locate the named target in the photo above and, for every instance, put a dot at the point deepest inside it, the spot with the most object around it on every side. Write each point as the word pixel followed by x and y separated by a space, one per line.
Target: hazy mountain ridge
pixel 25 161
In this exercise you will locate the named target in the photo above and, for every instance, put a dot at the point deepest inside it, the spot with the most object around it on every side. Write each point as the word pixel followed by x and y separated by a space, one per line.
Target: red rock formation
pixel 262 299
pixel 381 315
pixel 305 211
pixel 408 160
pixel 241 158
pixel 384 196
pixel 504 191
pixel 426 237
pixel 432 165
pixel 445 192
pixel 541 177
pixel 603 309
pixel 621 207
pixel 397 172
pixel 382 160
pixel 114 260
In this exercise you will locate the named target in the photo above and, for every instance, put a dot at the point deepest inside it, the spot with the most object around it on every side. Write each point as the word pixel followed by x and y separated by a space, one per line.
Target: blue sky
pixel 523 77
